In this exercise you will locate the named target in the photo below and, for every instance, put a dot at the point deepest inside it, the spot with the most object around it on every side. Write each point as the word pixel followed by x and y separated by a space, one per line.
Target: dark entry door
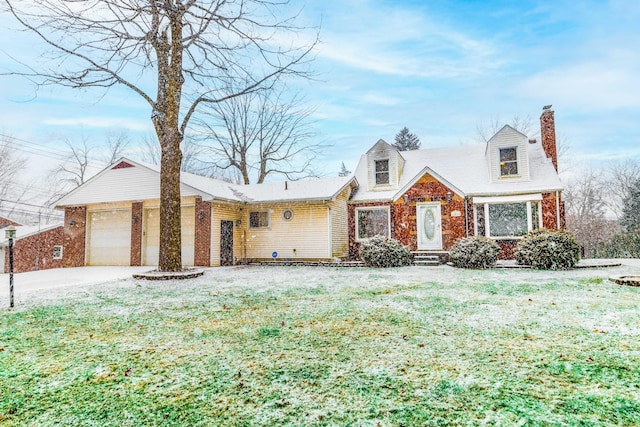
pixel 226 242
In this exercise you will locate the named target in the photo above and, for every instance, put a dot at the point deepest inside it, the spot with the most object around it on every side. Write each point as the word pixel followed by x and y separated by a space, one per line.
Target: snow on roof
pixel 465 170
pixel 133 180
pixel 304 189
pixel 23 231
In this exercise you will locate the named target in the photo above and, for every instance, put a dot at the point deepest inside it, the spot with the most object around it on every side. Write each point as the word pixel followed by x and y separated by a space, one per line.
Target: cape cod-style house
pixel 427 199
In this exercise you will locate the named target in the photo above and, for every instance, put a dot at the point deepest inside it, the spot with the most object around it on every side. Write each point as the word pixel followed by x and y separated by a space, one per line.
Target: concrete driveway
pixel 62 277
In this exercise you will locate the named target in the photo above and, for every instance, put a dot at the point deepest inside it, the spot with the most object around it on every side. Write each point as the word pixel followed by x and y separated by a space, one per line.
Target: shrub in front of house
pixel 474 252
pixel 548 250
pixel 381 251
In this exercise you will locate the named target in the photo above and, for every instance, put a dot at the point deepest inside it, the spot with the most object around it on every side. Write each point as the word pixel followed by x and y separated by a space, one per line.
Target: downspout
pixel 557 210
pixel 466 217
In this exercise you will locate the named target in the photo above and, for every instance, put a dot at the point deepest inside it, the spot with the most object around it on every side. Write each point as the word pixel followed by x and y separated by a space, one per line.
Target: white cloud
pixel 402 42
pixel 608 83
pixel 100 122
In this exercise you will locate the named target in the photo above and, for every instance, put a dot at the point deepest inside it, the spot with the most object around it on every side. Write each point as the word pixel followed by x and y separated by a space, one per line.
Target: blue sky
pixel 441 68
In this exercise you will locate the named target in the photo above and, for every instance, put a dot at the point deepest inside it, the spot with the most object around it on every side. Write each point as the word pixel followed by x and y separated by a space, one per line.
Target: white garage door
pixel 109 238
pixel 151 238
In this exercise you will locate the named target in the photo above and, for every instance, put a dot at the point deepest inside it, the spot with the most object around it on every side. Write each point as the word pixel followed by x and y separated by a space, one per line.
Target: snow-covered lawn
pixel 325 346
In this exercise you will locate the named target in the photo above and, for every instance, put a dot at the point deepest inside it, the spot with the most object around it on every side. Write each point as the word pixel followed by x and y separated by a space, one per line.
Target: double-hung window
pixel 508 161
pixel 382 171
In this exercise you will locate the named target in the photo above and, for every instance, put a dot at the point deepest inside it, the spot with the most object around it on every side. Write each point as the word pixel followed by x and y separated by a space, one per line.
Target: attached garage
pixel 109 237
pixel 151 236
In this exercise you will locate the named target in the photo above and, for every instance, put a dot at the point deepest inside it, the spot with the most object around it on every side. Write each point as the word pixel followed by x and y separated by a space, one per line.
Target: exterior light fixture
pixel 406 199
pixel 449 196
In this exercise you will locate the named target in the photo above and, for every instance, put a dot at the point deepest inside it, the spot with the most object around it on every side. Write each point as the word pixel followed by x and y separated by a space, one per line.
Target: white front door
pixel 429 226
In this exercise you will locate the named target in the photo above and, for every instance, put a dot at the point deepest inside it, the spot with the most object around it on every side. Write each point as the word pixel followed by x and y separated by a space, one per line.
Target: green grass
pixel 312 347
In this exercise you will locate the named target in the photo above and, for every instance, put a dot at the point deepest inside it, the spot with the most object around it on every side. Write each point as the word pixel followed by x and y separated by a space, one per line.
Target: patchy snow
pixel 415 283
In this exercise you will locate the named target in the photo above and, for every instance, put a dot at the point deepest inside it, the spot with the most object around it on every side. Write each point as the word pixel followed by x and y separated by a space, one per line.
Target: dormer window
pixel 382 171
pixel 508 161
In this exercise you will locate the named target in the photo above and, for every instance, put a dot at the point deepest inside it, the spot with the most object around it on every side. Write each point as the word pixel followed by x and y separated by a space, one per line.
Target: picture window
pixel 372 222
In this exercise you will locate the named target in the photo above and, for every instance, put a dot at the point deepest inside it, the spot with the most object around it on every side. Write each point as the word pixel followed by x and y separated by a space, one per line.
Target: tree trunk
pixel 170 257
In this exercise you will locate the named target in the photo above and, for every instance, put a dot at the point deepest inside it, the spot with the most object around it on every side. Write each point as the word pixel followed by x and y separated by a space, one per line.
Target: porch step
pixel 426 260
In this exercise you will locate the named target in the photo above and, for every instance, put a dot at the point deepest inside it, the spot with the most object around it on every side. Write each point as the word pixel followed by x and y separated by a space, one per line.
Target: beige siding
pixel 226 212
pixel 151 235
pixel 339 225
pixel 109 237
pixel 507 138
pixel 125 184
pixel 305 236
pixel 383 151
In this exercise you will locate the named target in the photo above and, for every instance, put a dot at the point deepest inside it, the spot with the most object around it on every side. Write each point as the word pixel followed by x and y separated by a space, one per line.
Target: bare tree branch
pixel 194 51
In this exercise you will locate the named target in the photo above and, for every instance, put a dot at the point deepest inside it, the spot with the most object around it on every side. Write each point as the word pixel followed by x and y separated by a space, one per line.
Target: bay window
pixel 508 219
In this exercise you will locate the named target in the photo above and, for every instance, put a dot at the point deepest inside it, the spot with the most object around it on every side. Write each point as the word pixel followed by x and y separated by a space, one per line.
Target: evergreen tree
pixel 630 219
pixel 406 141
pixel 344 171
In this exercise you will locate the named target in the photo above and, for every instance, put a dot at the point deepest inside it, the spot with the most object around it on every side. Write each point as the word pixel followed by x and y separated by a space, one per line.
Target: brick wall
pixel 136 233
pixel 403 215
pixel 75 230
pixel 35 252
pixel 202 243
pixel 4 222
pixel 549 212
pixel 548 136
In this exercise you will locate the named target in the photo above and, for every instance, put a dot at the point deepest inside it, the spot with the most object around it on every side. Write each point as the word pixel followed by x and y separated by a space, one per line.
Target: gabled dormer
pixel 507 156
pixel 384 166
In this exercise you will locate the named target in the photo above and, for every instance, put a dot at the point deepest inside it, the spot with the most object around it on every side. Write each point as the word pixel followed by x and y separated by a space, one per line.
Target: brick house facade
pixel 428 199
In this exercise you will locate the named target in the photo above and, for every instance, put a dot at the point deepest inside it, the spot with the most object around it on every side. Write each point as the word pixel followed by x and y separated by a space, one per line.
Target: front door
pixel 226 242
pixel 429 226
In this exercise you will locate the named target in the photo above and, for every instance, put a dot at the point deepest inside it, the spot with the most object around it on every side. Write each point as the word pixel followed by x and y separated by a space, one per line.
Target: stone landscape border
pixel 628 280
pixel 188 273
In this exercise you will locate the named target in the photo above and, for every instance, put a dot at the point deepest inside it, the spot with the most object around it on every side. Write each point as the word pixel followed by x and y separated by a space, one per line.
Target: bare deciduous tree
pixel 10 166
pixel 484 132
pixel 192 154
pixel 190 50
pixel 117 144
pixel 586 211
pixel 260 134
pixel 621 178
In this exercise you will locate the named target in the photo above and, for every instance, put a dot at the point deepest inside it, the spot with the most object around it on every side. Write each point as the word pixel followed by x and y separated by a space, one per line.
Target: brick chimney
pixel 548 135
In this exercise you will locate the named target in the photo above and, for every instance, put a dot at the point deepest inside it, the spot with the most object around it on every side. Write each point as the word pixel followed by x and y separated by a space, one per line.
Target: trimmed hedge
pixel 548 250
pixel 474 252
pixel 381 251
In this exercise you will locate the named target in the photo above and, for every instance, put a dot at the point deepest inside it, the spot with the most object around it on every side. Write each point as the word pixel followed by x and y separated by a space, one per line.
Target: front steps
pixel 430 258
